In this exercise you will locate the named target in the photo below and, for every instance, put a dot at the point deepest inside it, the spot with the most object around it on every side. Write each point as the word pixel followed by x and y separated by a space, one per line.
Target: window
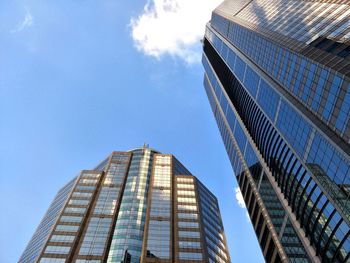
pixel 78 202
pixel 57 250
pixel 106 201
pixel 87 261
pixel 76 210
pixel 187 216
pixel 67 228
pixel 162 176
pixel 186 200
pixel 345 52
pixel 162 159
pixel 81 194
pixel 185 186
pixel 85 187
pixel 190 234
pixel 88 181
pixel 73 219
pixel 184 180
pixel 187 193
pixel 62 238
pixel 158 242
pixel 95 237
pixel 187 207
pixel 190 255
pixel 189 244
pixel 52 260
pixel 188 224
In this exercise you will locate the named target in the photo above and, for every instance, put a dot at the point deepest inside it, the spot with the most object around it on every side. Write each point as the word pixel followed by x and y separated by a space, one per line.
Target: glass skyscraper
pixel 277 78
pixel 135 206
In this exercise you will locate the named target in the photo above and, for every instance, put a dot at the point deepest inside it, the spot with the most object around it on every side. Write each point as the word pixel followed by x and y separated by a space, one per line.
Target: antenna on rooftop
pixel 145 145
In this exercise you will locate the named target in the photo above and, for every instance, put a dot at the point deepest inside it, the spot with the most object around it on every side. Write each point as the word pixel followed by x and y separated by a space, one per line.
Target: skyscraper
pixel 277 78
pixel 135 206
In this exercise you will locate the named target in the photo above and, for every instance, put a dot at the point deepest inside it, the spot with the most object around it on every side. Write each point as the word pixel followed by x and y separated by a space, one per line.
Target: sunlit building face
pixel 136 206
pixel 277 78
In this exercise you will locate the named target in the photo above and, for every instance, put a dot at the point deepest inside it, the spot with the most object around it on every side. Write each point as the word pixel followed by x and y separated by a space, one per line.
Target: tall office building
pixel 135 206
pixel 277 78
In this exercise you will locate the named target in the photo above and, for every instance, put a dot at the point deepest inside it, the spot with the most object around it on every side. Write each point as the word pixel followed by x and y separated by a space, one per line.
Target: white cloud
pixel 28 21
pixel 172 27
pixel 240 202
pixel 239 197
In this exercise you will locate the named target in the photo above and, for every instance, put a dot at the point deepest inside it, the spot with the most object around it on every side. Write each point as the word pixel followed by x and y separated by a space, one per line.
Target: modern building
pixel 277 77
pixel 135 206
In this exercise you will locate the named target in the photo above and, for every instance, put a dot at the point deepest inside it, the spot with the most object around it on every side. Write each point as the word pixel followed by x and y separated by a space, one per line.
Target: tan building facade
pixel 136 206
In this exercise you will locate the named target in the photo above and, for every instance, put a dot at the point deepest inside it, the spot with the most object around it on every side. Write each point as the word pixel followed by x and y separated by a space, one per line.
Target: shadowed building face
pixel 136 206
pixel 277 78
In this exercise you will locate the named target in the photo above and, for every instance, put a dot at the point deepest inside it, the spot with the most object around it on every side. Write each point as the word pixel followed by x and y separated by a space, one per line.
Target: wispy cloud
pixel 172 27
pixel 27 21
pixel 239 197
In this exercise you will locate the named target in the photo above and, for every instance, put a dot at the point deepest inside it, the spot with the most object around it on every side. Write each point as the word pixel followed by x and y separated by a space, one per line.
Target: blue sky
pixel 79 79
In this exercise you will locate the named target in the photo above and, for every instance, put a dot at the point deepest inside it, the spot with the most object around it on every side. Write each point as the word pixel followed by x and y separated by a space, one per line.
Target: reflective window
pixel 188 224
pixel 186 193
pixel 107 200
pixel 88 181
pixel 251 81
pixel 187 207
pixel 73 219
pixel 332 95
pixel 57 250
pixel 190 234
pixel 294 127
pixel 216 248
pixel 240 68
pixel 344 114
pixel 95 237
pixel 240 137
pixel 189 244
pixel 90 175
pixel 115 174
pixel 319 89
pixel 62 238
pixel 160 205
pixel 307 86
pixel 190 255
pixel 75 210
pixel 268 99
pixel 82 194
pixel 85 187
pixel 163 159
pixel 87 261
pixel 186 200
pixel 52 260
pixel 184 180
pixel 185 186
pixel 37 242
pixel 187 215
pixel 158 241
pixel 78 202
pixel 67 228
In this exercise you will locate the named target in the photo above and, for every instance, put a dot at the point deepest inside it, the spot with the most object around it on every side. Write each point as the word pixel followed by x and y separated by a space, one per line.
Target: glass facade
pixel 128 232
pixel 136 206
pixel 277 108
pixel 159 224
pixel 41 235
